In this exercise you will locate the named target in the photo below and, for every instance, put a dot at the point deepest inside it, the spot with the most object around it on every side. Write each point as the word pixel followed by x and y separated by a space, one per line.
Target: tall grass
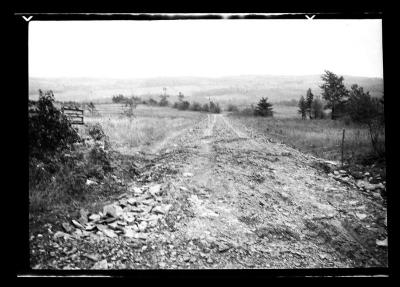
pixel 319 137
pixel 149 126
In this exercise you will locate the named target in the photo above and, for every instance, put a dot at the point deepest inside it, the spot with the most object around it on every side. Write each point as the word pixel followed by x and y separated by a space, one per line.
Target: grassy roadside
pixel 98 168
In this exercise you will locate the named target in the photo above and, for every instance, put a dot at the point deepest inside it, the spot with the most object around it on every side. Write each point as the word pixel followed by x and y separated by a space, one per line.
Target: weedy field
pixel 145 130
pixel 321 137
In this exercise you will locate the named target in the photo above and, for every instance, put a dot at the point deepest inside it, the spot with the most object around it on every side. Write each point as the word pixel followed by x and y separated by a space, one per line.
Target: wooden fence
pixel 74 115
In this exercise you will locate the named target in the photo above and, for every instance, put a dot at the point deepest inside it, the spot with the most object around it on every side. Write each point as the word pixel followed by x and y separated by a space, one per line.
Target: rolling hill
pixel 238 89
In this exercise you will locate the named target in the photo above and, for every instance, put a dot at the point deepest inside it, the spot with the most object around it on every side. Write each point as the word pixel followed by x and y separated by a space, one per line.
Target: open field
pixel 320 137
pixel 146 131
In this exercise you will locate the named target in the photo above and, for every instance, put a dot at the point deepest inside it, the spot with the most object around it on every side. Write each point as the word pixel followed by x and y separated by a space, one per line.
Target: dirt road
pixel 258 204
pixel 239 200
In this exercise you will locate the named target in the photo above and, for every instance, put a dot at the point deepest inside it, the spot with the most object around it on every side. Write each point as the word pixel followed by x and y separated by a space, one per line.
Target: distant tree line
pixel 183 104
pixel 262 109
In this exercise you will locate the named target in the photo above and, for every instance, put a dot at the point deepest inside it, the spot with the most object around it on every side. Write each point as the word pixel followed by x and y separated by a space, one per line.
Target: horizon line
pixel 193 76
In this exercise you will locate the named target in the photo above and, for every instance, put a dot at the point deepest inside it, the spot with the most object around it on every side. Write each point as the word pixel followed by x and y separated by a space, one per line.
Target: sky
pixel 205 48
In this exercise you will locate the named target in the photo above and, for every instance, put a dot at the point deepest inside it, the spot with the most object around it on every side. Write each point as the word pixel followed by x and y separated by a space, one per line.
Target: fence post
pixel 343 145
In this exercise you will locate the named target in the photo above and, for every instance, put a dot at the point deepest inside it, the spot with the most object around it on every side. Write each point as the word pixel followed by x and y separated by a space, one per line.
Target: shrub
pixel 205 108
pixel 183 105
pixel 247 112
pixel 152 102
pixel 232 108
pixel 96 131
pixel 49 130
pixel 214 108
pixel 118 99
pixel 99 157
pixel 195 107
pixel 163 101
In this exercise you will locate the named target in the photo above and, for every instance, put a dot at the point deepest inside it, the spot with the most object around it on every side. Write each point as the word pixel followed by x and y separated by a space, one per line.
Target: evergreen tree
pixel 309 100
pixel 334 92
pixel 264 109
pixel 302 108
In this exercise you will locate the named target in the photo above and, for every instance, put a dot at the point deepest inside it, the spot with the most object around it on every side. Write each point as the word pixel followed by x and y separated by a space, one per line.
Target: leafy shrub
pixel 99 159
pixel 70 180
pixel 96 131
pixel 49 130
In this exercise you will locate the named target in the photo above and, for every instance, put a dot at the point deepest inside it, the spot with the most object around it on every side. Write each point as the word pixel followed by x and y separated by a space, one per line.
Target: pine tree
pixel 264 109
pixel 334 92
pixel 302 108
pixel 309 100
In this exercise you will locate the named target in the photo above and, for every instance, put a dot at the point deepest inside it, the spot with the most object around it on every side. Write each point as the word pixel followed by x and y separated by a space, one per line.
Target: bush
pixel 152 102
pixel 96 132
pixel 49 130
pixel 247 112
pixel 232 108
pixel 183 105
pixel 163 101
pixel 99 157
pixel 205 108
pixel 214 108
pixel 195 107
pixel 118 99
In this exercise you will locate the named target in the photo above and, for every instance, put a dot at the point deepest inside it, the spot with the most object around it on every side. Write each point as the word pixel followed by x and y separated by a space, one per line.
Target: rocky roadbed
pixel 214 197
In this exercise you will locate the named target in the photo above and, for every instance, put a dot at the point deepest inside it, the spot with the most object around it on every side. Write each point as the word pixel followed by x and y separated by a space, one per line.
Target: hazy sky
pixel 139 49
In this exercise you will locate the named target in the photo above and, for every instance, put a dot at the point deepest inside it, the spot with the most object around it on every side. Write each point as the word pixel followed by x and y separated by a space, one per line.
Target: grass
pixel 149 126
pixel 59 187
pixel 320 137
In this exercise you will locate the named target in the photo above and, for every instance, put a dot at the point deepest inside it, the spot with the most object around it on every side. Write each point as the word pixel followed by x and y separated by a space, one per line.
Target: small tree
pixel 163 100
pixel 302 108
pixel 118 99
pixel 92 109
pixel 263 108
pixel 317 110
pixel 334 92
pixel 180 96
pixel 130 104
pixel 364 109
pixel 214 108
pixel 309 100
pixel 205 108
